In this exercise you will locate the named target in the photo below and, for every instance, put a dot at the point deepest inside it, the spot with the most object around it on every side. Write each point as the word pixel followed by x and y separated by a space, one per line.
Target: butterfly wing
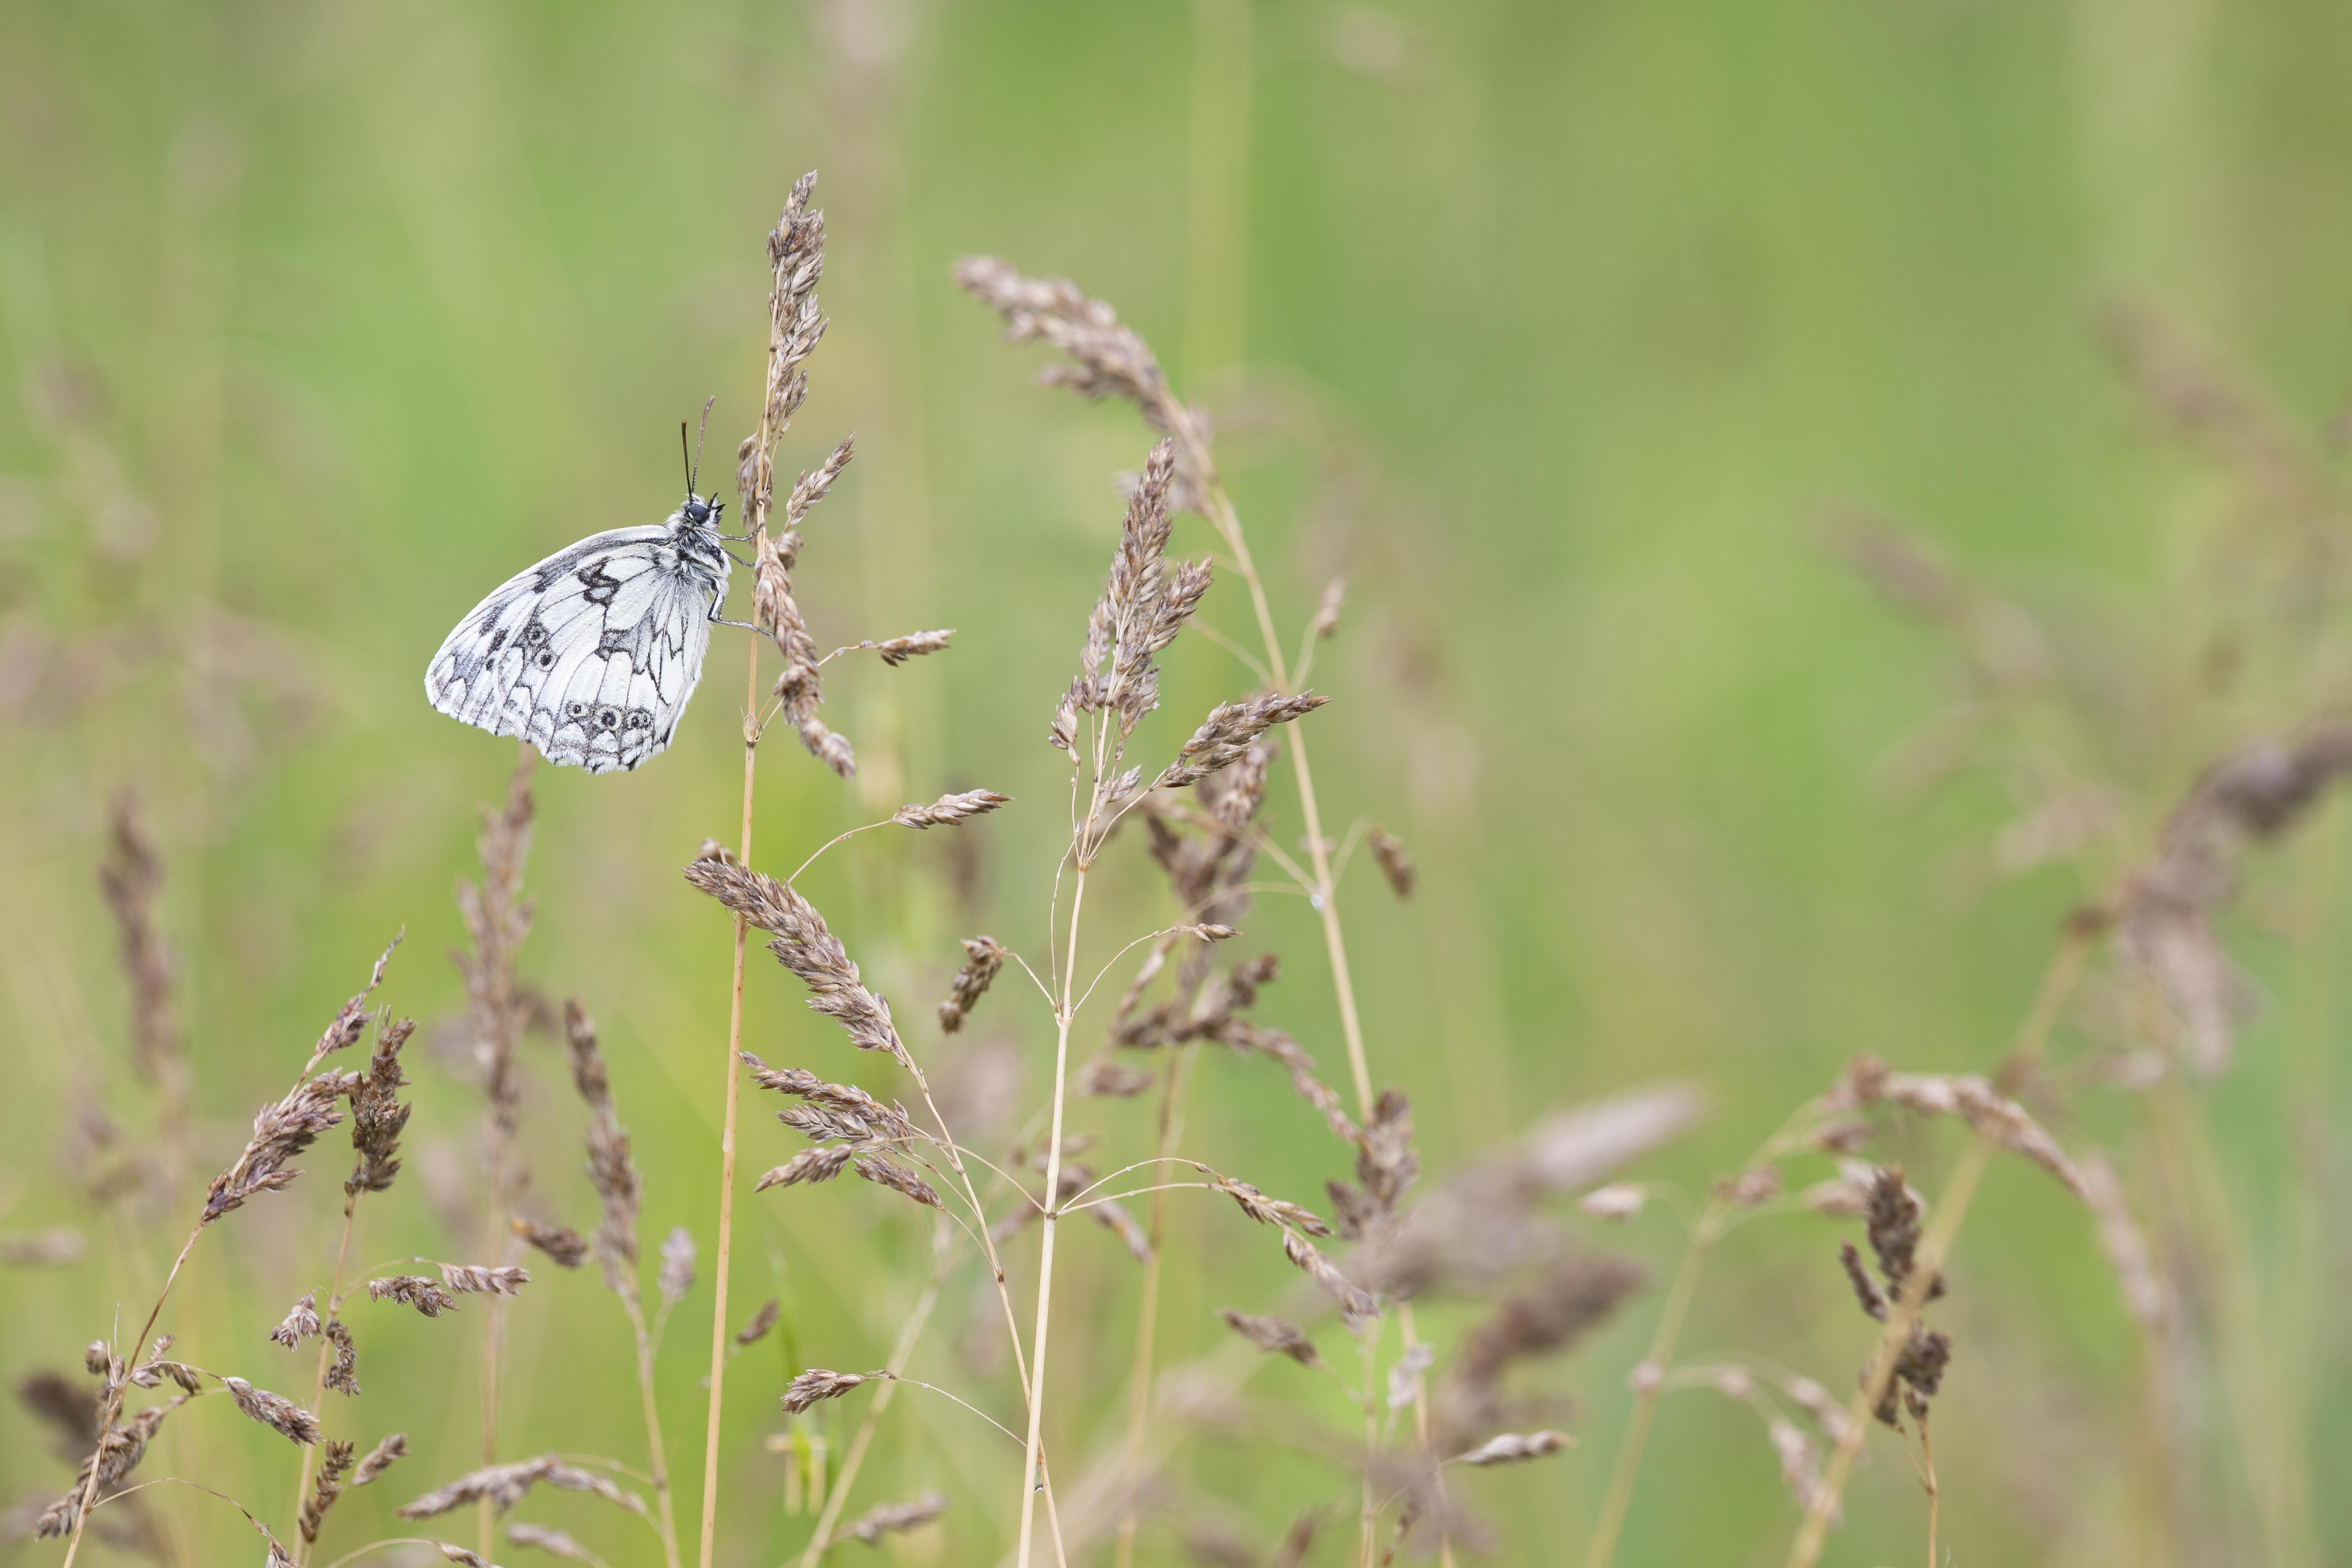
pixel 591 655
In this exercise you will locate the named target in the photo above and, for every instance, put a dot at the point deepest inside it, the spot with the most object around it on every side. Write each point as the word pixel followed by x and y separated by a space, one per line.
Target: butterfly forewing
pixel 591 654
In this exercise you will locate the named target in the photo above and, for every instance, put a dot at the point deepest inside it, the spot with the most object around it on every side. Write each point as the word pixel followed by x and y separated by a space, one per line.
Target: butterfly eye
pixel 608 718
pixel 546 658
pixel 576 710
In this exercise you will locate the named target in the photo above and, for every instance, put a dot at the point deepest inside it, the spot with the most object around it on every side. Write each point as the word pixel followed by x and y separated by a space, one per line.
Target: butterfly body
pixel 592 655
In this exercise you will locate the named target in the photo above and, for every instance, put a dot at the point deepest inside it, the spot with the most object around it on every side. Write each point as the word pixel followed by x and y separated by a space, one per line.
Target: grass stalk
pixel 1063 1014
pixel 719 1328
pixel 1146 1324
pixel 658 1452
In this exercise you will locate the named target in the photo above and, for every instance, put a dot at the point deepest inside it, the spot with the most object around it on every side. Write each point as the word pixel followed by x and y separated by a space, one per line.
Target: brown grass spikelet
pixel 761 1322
pixel 807 1167
pixel 795 324
pixel 897 651
pixel 335 1464
pixel 897 1178
pixel 950 809
pixel 1273 1335
pixel 275 1411
pixel 477 1280
pixel 378 1117
pixel 1356 1303
pixel 351 1022
pixel 413 1291
pixel 1513 1448
pixel 1394 860
pixel 853 1112
pixel 563 1245
pixel 1270 1211
pixel 1893 1227
pixel 804 944
pixel 895 1518
pixel 301 1322
pixel 390 1451
pixel 342 1372
pixel 152 1372
pixel 280 1132
pixel 506 1484
pixel 983 957
pixel 1225 736
pixel 819 1384
pixel 1106 358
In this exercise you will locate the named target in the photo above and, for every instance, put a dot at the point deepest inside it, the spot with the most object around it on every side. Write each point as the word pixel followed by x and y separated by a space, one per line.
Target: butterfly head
pixel 702 512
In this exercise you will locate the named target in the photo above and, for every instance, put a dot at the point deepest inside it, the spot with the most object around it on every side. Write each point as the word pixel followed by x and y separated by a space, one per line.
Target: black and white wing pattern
pixel 591 654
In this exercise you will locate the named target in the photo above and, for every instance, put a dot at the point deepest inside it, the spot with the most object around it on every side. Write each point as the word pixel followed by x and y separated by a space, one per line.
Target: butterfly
pixel 592 655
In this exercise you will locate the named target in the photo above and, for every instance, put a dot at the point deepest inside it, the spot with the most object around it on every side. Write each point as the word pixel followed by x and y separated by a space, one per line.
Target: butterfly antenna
pixel 694 470
pixel 685 457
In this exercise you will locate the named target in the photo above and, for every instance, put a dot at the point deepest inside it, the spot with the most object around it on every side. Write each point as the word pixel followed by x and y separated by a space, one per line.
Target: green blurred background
pixel 1564 330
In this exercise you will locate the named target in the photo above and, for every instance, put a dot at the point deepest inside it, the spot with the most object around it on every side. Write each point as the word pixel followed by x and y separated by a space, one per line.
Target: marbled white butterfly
pixel 592 655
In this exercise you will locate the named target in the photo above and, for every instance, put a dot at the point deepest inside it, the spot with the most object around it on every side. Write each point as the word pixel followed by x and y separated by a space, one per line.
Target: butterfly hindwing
pixel 591 655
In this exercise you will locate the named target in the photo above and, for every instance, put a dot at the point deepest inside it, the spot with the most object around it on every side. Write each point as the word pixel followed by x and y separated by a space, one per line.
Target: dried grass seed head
pixel 301 1322
pixel 761 1322
pixel 390 1451
pixel 378 1117
pixel 275 1411
pixel 1273 1335
pixel 280 1132
pixel 413 1291
pixel 850 1111
pixel 1395 859
pixel 478 1279
pixel 503 1486
pixel 897 1178
pixel 819 1384
pixel 804 944
pixel 1224 737
pixel 333 1466
pixel 950 809
pixel 983 957
pixel 342 1372
pixel 808 1167
pixel 563 1245
pixel 896 1517
pixel 1106 358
